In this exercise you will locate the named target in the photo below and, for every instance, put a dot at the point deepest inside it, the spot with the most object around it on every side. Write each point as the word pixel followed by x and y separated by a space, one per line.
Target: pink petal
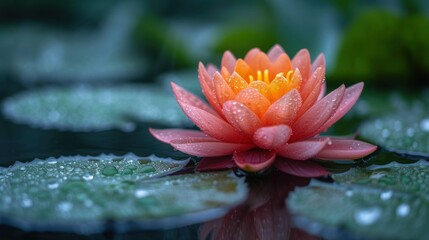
pixel 259 62
pixel 215 163
pixel 345 149
pixel 251 54
pixel 212 69
pixel 275 52
pixel 313 85
pixel 241 117
pixel 302 150
pixel 167 135
pixel 319 62
pixel 203 148
pixel 222 89
pixel 310 123
pixel 272 137
pixel 228 61
pixel 190 99
pixel 284 110
pixel 254 100
pixel 312 90
pixel 322 91
pixel 302 61
pixel 300 168
pixel 211 124
pixel 351 95
pixel 254 160
pixel 208 87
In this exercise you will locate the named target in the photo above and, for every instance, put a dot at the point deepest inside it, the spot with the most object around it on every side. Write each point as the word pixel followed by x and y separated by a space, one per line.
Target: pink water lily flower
pixel 265 110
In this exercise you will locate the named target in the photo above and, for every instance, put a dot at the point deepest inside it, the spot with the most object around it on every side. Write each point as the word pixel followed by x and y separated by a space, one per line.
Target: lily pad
pixel 366 202
pixel 91 108
pixel 36 53
pixel 80 194
pixel 406 132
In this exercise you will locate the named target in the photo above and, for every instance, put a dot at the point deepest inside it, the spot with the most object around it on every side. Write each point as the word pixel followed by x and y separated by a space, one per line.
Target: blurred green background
pixel 384 43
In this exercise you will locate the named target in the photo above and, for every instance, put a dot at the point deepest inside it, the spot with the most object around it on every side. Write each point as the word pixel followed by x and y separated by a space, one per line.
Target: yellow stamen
pixel 251 78
pixel 266 76
pixel 259 73
pixel 289 75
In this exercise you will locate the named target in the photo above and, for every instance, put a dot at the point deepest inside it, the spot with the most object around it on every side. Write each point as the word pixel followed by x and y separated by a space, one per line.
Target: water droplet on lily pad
pixel 94 108
pixel 396 200
pixel 412 139
pixel 83 201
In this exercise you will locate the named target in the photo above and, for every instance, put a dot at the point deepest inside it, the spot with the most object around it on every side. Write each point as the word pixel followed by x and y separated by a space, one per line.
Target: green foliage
pixel 386 49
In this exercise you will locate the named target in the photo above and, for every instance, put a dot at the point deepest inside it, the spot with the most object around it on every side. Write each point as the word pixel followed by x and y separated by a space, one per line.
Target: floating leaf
pixel 88 108
pixel 406 132
pixel 411 178
pixel 80 194
pixel 36 53
pixel 366 202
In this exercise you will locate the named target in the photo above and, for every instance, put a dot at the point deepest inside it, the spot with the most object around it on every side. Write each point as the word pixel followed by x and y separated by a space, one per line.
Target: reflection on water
pixel 263 215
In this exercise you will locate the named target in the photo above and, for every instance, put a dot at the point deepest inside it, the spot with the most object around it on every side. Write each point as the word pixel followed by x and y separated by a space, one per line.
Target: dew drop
pixel 88 177
pixel 386 195
pixel 65 207
pixel 26 202
pixel 109 171
pixel 141 193
pixel 367 216
pixel 424 124
pixel 403 210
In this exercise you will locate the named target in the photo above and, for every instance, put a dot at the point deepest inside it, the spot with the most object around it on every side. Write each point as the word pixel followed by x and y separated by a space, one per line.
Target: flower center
pixel 264 76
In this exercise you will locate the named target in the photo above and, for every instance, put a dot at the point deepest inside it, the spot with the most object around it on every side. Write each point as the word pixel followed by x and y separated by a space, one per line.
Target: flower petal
pixel 351 95
pixel 300 168
pixel 319 62
pixel 313 85
pixel 211 69
pixel 281 64
pixel 302 61
pixel 210 124
pixel 262 87
pixel 345 149
pixel 254 160
pixel 311 92
pixel 236 82
pixel 215 163
pixel 242 68
pixel 228 61
pixel 208 87
pixel 241 117
pixel 272 137
pixel 254 100
pixel 283 111
pixel 167 135
pixel 202 148
pixel 310 123
pixel 251 54
pixel 275 52
pixel 190 99
pixel 222 89
pixel 259 62
pixel 302 150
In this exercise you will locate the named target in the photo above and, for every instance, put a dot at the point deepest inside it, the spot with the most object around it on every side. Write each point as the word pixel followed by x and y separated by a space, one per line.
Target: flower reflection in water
pixel 263 216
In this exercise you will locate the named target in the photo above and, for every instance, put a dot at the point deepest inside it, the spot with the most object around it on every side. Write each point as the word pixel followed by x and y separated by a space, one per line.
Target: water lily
pixel 265 110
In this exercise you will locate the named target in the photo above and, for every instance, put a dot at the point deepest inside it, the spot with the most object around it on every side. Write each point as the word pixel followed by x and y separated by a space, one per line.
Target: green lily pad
pixel 410 178
pixel 366 202
pixel 80 194
pixel 90 108
pixel 36 53
pixel 406 132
